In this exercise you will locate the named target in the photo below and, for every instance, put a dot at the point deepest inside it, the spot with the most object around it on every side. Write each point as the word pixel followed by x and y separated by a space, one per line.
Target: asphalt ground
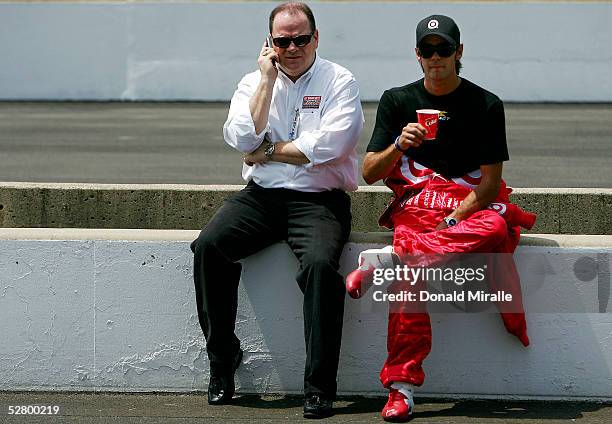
pixel 103 408
pixel 551 145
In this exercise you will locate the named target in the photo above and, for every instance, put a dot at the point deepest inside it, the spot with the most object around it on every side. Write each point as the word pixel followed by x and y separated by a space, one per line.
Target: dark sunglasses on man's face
pixel 444 50
pixel 299 41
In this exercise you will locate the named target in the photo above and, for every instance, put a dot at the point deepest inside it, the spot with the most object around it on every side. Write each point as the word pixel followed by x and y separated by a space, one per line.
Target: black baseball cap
pixel 440 25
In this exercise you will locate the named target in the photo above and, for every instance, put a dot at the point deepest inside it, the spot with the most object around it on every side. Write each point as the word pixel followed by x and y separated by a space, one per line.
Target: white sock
pixel 405 389
pixel 376 258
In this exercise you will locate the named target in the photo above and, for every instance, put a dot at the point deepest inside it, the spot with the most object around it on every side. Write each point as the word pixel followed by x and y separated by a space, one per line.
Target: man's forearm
pixel 479 198
pixel 286 152
pixel 476 200
pixel 259 104
pixel 377 165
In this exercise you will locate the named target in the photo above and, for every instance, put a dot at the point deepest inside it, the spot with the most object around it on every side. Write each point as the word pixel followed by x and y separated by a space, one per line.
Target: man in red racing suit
pixel 449 197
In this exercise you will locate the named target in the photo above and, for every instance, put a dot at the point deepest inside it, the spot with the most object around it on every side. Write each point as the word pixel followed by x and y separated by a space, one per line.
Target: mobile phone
pixel 269 44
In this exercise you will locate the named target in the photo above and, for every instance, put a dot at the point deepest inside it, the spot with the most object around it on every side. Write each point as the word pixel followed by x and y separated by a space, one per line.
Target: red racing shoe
pixel 399 405
pixel 359 281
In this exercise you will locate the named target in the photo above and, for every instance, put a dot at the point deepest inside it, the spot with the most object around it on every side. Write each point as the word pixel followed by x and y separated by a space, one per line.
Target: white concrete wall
pixel 83 313
pixel 552 51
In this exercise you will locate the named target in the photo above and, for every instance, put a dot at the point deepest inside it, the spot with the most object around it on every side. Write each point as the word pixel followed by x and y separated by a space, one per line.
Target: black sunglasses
pixel 299 41
pixel 444 50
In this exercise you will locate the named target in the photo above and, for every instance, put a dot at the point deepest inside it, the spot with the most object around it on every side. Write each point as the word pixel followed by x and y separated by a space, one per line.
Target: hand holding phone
pixel 269 44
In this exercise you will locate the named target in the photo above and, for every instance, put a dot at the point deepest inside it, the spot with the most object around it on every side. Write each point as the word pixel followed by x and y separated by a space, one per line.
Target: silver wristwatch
pixel 450 222
pixel 269 150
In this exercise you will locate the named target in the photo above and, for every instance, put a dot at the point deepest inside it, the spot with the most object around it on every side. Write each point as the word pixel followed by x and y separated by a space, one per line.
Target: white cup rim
pixel 428 111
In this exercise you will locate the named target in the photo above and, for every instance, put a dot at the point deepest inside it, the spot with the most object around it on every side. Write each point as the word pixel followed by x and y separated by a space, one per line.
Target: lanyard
pixel 294 125
pixel 298 102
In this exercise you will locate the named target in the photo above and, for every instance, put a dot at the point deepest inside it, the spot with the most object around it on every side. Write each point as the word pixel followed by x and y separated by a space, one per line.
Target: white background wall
pixel 198 51
pixel 120 315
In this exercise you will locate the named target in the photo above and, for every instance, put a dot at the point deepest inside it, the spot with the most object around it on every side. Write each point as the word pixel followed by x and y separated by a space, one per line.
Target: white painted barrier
pixel 114 310
pixel 198 50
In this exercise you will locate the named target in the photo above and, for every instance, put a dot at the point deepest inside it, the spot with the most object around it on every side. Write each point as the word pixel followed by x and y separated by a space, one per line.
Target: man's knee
pixel 206 241
pixel 493 225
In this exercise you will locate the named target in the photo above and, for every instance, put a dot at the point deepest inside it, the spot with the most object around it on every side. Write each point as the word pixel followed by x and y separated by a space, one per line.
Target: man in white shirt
pixel 297 120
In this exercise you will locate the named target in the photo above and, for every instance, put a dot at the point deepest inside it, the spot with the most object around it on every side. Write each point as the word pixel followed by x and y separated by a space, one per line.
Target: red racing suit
pixel 422 199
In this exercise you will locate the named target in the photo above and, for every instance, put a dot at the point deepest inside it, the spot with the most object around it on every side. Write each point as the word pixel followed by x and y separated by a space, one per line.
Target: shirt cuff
pixel 305 143
pixel 259 137
pixel 242 136
pixel 244 117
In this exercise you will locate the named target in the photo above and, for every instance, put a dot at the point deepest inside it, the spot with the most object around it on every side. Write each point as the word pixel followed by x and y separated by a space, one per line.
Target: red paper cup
pixel 429 119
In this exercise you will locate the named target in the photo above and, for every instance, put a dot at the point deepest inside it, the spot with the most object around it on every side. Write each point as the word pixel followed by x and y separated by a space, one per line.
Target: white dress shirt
pixel 321 113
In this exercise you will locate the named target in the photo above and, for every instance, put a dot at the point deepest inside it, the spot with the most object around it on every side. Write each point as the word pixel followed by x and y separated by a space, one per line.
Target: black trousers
pixel 316 226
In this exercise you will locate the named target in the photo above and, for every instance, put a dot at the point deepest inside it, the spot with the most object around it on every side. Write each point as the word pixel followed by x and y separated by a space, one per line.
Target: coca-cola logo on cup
pixel 428 118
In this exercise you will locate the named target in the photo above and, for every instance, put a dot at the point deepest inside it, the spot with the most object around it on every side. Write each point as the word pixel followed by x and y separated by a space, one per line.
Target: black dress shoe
pixel 221 386
pixel 317 407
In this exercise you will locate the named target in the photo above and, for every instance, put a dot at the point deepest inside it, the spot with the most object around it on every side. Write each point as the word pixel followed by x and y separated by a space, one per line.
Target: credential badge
pixel 311 102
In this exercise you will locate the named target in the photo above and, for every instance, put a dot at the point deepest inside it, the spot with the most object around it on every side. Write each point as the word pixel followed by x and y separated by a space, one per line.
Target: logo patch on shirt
pixel 443 116
pixel 311 102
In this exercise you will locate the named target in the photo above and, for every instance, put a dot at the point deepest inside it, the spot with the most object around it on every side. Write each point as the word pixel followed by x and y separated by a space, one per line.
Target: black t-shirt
pixel 471 129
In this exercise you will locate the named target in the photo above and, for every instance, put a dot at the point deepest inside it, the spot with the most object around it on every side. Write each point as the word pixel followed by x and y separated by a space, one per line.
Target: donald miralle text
pixel 411 275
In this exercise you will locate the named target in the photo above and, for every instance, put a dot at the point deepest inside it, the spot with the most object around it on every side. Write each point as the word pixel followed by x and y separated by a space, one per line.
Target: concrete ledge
pixel 23 205
pixel 114 310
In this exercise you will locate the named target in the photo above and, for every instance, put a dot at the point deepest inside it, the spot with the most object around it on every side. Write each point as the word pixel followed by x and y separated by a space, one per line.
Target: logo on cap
pixel 433 24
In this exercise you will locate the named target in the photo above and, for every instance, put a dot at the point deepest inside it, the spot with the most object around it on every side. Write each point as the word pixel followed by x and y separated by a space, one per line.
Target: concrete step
pixel 167 206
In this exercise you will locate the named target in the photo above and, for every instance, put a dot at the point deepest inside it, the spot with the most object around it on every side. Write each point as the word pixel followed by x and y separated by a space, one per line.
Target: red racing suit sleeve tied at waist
pixel 415 185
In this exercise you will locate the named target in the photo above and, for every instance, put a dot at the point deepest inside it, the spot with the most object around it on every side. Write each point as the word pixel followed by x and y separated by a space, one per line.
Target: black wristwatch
pixel 450 222
pixel 269 150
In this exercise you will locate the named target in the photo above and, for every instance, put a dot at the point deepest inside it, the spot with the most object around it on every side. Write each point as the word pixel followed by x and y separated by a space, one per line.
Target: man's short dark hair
pixel 292 7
